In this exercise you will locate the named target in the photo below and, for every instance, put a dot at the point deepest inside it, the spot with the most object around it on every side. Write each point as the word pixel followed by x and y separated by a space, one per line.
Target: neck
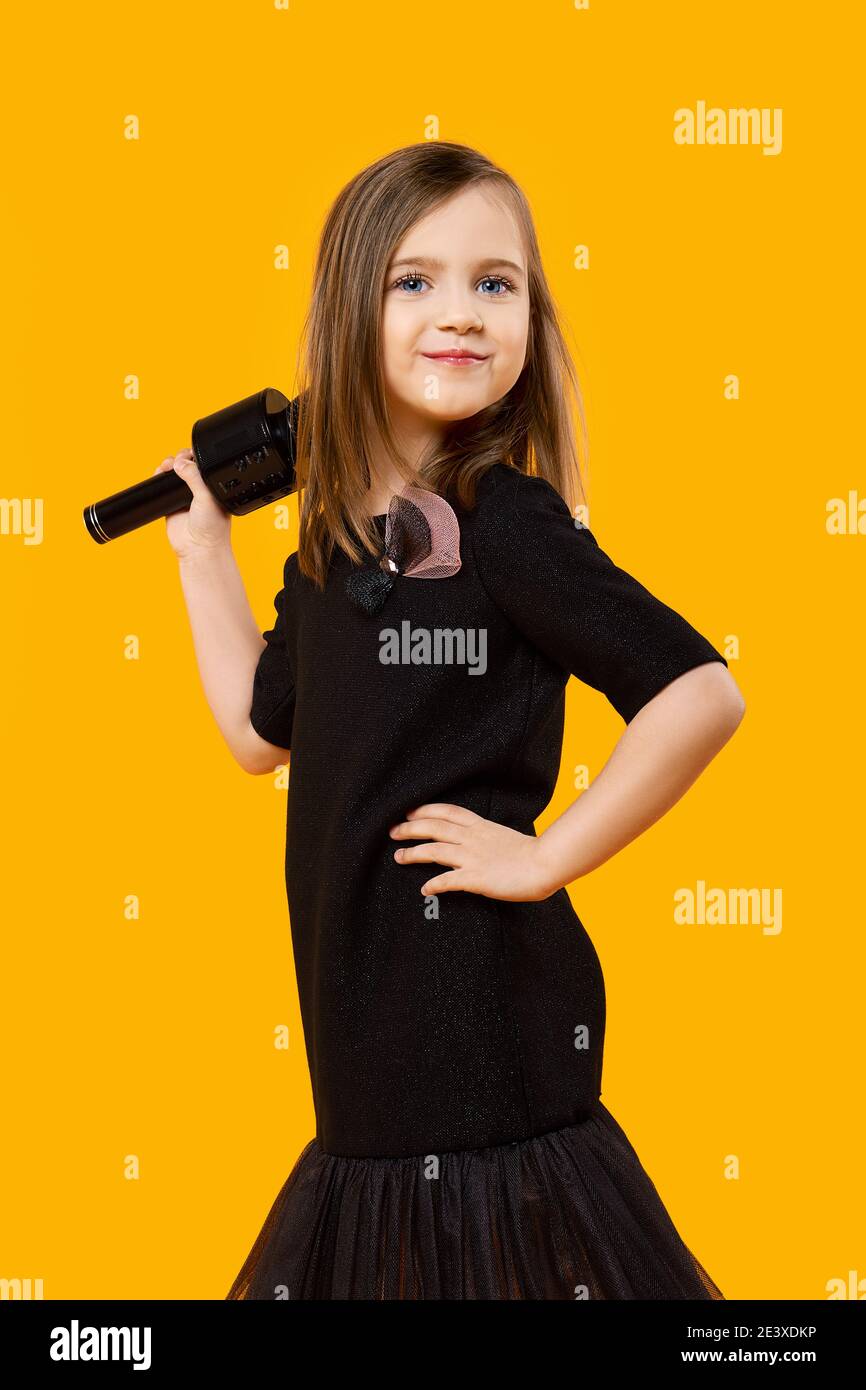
pixel 413 439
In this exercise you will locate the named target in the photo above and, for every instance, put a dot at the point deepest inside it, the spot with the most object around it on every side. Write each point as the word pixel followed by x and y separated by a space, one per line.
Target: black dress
pixel 455 1044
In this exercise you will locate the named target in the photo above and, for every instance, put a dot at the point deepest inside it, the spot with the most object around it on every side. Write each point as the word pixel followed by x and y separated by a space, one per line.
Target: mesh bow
pixel 422 541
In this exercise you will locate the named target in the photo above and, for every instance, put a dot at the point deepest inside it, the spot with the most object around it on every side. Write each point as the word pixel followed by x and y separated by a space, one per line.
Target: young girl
pixel 442 593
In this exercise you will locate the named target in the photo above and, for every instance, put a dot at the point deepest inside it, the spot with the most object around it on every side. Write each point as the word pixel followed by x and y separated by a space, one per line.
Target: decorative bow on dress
pixel 422 541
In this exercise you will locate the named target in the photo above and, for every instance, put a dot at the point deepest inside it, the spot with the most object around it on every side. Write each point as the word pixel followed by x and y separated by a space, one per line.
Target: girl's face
pixel 457 280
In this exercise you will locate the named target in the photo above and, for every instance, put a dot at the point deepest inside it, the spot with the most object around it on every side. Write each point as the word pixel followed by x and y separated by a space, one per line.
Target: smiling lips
pixel 458 357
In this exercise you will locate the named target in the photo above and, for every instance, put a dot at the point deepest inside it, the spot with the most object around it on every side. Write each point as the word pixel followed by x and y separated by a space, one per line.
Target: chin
pixel 451 412
pixel 457 399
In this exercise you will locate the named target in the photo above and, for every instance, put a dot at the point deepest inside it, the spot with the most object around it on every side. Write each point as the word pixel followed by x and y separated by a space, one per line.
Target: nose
pixel 458 317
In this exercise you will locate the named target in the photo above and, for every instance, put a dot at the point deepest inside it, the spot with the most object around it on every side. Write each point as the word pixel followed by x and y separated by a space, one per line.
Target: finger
pixel 443 883
pixel 444 810
pixel 430 854
pixel 429 830
pixel 169 462
pixel 187 468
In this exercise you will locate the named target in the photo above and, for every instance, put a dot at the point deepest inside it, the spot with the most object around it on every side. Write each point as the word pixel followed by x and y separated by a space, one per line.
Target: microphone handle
pixel 135 506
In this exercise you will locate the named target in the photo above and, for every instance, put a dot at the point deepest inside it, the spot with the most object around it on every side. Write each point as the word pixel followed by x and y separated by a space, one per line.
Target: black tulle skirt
pixel 568 1215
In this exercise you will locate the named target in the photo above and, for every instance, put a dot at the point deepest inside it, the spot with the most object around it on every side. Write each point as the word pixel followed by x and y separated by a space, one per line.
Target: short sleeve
pixel 273 707
pixel 549 575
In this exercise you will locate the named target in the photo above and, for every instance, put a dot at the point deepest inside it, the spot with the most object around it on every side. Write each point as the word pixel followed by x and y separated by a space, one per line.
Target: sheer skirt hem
pixel 570 1214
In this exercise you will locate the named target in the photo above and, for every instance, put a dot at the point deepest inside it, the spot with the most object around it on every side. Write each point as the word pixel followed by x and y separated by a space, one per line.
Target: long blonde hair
pixel 339 361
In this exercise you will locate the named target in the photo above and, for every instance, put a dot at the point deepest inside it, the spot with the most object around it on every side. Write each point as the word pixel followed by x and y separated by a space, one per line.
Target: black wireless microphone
pixel 245 454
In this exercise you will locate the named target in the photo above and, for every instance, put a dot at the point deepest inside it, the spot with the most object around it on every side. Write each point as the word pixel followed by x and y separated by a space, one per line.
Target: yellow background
pixel 156 257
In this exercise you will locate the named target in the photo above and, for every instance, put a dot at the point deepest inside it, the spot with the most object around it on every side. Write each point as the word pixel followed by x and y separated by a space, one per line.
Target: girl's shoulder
pixel 291 573
pixel 547 572
pixel 516 511
pixel 505 490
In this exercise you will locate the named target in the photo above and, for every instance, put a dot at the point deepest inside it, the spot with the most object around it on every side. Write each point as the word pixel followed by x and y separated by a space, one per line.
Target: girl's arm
pixel 665 747
pixel 662 751
pixel 228 646
pixel 241 669
pixel 589 617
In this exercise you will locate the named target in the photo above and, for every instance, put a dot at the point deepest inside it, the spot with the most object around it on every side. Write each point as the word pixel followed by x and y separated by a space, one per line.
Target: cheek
pixel 399 339
pixel 400 321
pixel 399 359
pixel 513 334
pixel 511 343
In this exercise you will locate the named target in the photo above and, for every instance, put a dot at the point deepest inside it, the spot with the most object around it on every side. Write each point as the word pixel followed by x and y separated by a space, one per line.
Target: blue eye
pixel 498 280
pixel 406 279
pixel 415 276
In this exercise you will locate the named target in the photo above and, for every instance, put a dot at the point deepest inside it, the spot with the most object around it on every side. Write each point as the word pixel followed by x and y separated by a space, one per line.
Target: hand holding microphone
pixel 204 525
pixel 242 457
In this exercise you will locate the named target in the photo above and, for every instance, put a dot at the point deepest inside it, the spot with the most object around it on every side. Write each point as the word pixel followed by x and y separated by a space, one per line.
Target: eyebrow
pixel 431 263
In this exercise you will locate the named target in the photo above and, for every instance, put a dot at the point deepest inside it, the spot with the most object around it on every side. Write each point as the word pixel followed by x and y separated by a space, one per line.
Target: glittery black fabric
pixel 450 1026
